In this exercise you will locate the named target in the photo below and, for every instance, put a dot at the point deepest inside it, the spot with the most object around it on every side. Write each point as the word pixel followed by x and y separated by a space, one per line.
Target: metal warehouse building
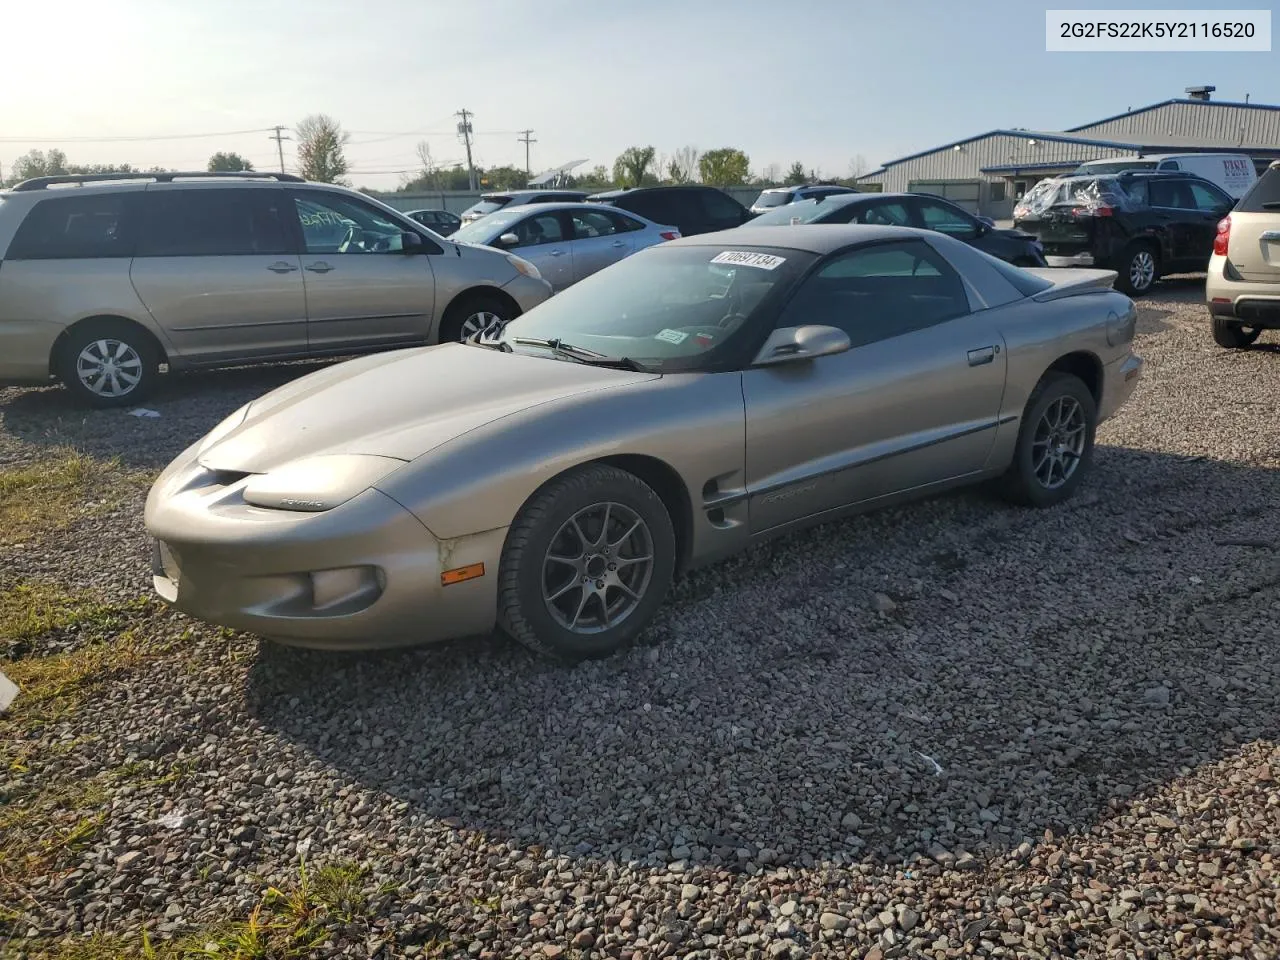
pixel 988 172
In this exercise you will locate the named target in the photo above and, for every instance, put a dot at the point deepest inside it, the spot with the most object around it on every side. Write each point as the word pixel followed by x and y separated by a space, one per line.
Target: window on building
pixel 997 191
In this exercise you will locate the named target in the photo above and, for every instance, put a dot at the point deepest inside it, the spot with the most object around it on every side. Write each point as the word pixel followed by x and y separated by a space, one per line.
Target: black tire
pixel 1229 333
pixel 524 607
pixel 1022 483
pixel 455 323
pixel 1138 270
pixel 133 354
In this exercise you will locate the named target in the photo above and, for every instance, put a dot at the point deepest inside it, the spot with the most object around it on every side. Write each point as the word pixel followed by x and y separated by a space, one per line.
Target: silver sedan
pixel 696 398
pixel 566 241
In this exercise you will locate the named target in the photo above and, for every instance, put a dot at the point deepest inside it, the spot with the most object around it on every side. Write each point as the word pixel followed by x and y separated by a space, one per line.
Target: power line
pixel 132 139
pixel 279 138
pixel 526 137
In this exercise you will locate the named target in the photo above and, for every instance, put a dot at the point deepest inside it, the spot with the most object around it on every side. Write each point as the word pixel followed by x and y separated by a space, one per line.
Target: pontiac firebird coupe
pixel 553 477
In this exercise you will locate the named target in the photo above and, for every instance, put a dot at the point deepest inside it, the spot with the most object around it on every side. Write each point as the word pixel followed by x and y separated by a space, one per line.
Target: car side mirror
pixel 801 343
pixel 508 240
pixel 412 243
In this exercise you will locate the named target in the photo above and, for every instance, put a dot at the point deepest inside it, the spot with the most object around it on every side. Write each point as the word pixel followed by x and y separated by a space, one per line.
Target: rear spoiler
pixel 1071 281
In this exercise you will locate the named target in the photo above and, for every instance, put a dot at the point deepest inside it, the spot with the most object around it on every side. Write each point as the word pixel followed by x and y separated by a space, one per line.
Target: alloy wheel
pixel 1058 443
pixel 483 322
pixel 1142 270
pixel 109 368
pixel 597 568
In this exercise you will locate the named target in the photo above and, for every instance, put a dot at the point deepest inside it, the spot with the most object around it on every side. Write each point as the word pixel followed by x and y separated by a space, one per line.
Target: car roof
pixel 532 191
pixel 819 238
pixel 555 205
pixel 631 191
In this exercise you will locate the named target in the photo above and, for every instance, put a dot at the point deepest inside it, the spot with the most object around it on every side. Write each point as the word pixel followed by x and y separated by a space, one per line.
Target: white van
pixel 1233 172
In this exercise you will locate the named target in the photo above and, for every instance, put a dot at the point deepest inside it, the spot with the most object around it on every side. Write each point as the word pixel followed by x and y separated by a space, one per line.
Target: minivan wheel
pixel 586 564
pixel 480 313
pixel 108 363
pixel 1233 335
pixel 1138 272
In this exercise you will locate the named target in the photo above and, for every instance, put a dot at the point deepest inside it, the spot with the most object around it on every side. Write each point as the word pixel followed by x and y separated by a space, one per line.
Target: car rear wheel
pixel 1231 334
pixel 1055 442
pixel 1138 271
pixel 586 565
pixel 479 313
pixel 108 363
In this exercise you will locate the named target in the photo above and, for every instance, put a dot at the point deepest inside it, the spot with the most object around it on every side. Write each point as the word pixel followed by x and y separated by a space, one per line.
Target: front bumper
pixel 364 575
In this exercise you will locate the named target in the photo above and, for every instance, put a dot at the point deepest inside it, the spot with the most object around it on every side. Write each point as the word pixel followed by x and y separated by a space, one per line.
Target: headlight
pixel 524 266
pixel 316 484
pixel 225 427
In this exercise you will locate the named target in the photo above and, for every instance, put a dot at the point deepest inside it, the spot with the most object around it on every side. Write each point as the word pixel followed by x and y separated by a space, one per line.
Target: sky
pixel 817 81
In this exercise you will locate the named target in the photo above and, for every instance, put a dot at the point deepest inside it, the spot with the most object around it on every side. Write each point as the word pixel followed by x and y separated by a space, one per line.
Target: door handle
pixel 557 253
pixel 981 355
pixel 282 267
pixel 1269 235
pixel 320 267
pixel 618 243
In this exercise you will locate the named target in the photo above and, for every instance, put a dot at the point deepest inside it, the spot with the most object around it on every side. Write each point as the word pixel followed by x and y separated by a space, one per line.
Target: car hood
pixel 399 405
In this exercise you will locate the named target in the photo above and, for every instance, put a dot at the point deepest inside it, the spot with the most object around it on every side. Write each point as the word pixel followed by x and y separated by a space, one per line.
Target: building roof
pixel 1138 143
pixel 1166 103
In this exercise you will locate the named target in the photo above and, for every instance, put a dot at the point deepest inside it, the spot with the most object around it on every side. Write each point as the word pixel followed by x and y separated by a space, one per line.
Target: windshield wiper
pixel 477 340
pixel 580 354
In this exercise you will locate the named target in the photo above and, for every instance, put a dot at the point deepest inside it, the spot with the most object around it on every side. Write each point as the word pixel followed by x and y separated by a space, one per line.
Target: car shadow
pixel 953 675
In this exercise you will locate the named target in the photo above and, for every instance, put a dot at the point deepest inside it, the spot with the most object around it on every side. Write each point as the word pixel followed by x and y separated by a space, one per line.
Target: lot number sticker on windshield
pixel 672 336
pixel 744 258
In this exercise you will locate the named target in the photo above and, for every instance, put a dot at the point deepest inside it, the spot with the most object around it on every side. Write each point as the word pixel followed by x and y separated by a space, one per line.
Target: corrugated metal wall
pixel 1239 125
pixel 967 162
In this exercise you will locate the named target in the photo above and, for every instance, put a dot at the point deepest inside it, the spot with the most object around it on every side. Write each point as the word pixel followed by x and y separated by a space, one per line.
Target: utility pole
pixel 279 138
pixel 464 131
pixel 526 138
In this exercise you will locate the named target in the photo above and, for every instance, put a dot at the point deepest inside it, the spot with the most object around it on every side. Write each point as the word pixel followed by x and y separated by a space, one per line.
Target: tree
pixel 683 165
pixel 37 163
pixel 503 178
pixel 631 169
pixel 770 175
pixel 857 167
pixel 222 162
pixel 726 167
pixel 795 174
pixel 320 143
pixel 596 179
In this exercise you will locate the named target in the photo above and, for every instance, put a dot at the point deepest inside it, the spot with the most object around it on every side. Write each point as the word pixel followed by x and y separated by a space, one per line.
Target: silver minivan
pixel 104 279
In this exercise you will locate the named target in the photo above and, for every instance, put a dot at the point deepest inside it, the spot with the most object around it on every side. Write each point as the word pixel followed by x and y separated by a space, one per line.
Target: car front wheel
pixel 586 565
pixel 1231 334
pixel 1055 442
pixel 479 313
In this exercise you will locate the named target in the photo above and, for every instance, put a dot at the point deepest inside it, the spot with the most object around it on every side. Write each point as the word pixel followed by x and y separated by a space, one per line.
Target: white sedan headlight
pixel 316 484
pixel 524 266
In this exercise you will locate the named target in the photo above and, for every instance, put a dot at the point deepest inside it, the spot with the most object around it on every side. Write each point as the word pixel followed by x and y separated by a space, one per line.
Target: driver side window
pixel 334 224
pixel 946 219
pixel 876 292
pixel 540 229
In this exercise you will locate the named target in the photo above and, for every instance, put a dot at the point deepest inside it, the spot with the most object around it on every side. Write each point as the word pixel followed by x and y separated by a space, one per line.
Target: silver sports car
pixel 663 413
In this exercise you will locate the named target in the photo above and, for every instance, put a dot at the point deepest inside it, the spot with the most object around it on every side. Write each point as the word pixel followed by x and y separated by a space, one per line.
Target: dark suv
pixel 692 210
pixel 1142 225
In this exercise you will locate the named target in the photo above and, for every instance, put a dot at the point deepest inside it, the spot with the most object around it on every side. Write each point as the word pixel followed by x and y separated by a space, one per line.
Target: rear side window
pixel 720 209
pixel 1264 195
pixel 75 228
pixel 211 223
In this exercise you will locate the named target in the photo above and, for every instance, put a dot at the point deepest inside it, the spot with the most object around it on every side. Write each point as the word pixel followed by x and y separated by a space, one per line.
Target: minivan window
pixel 719 207
pixel 771 199
pixel 73 228
pixel 211 223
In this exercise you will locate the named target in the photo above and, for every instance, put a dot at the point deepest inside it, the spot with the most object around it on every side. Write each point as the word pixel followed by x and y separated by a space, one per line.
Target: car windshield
pixel 802 211
pixel 668 308
pixel 771 199
pixel 1115 166
pixel 483 231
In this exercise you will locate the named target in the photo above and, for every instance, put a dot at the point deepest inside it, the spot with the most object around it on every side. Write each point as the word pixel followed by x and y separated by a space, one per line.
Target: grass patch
pixel 31 610
pixel 51 494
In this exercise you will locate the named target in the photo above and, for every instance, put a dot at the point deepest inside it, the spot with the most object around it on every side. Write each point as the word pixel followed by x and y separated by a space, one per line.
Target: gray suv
pixel 105 278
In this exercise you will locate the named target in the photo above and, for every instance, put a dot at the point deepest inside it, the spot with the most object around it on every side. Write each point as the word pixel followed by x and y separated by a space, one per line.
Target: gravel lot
pixel 951 729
